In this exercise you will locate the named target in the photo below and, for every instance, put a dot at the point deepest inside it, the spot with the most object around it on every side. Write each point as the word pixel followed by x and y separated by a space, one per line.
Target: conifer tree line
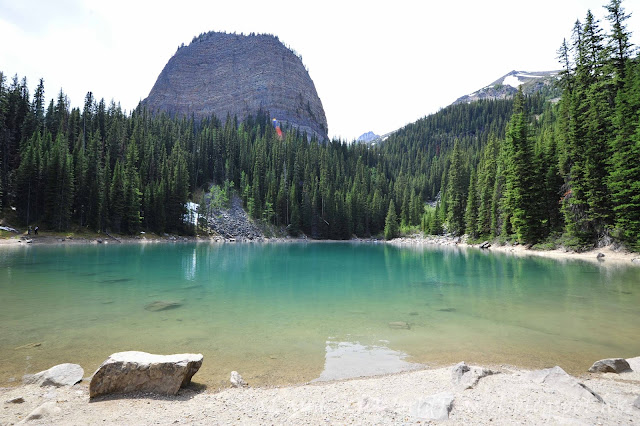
pixel 561 164
pixel 567 169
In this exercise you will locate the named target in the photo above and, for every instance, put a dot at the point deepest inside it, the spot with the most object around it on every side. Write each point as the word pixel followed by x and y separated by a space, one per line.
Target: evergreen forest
pixel 559 166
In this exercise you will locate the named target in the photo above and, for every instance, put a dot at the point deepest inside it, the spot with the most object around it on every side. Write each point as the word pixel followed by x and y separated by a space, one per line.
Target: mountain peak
pixel 239 75
pixel 507 85
pixel 367 137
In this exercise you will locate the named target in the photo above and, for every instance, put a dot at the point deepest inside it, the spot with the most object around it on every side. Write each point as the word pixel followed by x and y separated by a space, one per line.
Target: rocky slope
pixel 507 85
pixel 239 75
pixel 234 222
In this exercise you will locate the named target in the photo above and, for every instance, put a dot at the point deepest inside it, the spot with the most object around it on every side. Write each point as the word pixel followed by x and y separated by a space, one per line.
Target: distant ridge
pixel 367 137
pixel 507 85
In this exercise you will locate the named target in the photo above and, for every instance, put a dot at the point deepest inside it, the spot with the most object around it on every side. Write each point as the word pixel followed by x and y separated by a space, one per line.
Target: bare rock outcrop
pixel 126 372
pixel 219 74
pixel 234 222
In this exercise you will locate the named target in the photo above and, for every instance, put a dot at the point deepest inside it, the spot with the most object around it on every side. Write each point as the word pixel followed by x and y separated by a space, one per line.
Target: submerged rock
pixel 610 365
pixel 126 372
pixel 237 381
pixel 59 375
pixel 399 325
pixel 29 346
pixel 434 407
pixel 560 381
pixel 162 305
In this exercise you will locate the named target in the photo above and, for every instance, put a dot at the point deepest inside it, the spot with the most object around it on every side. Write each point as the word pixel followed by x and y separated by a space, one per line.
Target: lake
pixel 295 312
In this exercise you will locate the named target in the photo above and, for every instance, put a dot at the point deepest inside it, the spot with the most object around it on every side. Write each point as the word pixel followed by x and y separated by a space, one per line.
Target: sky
pixel 376 65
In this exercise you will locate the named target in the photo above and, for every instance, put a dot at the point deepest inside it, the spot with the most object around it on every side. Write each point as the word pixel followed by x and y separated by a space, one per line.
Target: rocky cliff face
pixel 239 75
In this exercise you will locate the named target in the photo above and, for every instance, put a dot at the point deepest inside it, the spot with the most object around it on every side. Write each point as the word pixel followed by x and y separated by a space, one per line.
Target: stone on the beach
pixel 458 371
pixel 610 365
pixel 466 377
pixel 45 410
pixel 600 256
pixel 435 407
pixel 236 380
pixel 126 372
pixel 162 305
pixel 636 403
pixel 18 400
pixel 399 325
pixel 59 375
pixel 560 381
pixel 485 245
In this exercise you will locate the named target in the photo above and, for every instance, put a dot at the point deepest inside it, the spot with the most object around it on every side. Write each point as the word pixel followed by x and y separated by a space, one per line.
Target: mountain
pixel 507 85
pixel 367 137
pixel 220 74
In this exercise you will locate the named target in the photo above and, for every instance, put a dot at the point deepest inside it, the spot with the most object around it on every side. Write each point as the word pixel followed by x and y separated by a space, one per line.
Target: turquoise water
pixel 273 311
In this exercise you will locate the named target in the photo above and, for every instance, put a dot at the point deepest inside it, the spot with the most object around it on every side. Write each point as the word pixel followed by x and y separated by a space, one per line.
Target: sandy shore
pixel 612 255
pixel 509 397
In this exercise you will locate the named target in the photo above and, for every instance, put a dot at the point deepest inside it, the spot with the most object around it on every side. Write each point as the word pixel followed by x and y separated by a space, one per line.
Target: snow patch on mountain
pixel 512 80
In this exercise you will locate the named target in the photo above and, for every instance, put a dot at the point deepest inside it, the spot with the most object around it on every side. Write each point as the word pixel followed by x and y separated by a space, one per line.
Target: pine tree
pixel 456 192
pixel 521 195
pixel 471 213
pixel 391 222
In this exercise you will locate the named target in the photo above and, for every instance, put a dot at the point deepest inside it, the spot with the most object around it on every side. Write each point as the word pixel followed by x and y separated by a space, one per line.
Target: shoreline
pixel 507 395
pixel 604 256
pixel 611 255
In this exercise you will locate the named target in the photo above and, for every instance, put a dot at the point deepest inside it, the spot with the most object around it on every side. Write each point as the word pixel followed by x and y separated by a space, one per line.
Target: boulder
pixel 610 365
pixel 45 410
pixel 237 381
pixel 558 379
pixel 485 245
pixel 59 375
pixel 126 372
pixel 466 377
pixel 435 407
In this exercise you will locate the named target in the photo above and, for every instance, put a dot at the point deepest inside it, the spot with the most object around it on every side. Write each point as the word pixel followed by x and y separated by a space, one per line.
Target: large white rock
pixel 560 381
pixel 59 375
pixel 434 407
pixel 126 372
